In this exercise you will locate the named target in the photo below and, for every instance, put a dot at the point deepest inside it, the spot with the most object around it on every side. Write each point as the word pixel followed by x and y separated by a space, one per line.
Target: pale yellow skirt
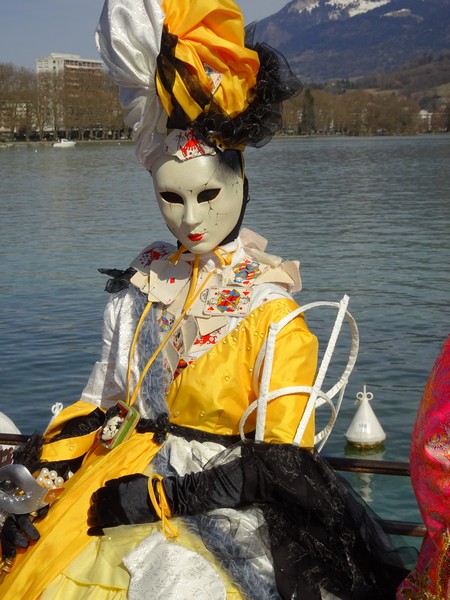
pixel 98 573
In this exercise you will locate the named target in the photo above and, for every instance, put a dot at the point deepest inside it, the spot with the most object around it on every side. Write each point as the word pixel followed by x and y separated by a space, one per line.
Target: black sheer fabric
pixel 256 125
pixel 321 535
pixel 120 279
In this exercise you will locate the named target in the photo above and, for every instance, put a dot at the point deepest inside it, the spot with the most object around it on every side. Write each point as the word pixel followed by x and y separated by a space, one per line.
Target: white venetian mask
pixel 200 199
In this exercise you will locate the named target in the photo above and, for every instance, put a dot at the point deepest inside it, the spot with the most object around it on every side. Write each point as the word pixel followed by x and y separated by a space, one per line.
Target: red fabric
pixel 430 476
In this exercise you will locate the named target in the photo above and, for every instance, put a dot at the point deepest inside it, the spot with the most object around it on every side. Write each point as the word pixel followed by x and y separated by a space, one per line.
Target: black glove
pixel 254 477
pixel 121 501
pixel 126 500
pixel 17 532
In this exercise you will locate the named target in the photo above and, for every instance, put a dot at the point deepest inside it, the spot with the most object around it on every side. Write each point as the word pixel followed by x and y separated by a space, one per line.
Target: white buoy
pixel 6 426
pixel 365 430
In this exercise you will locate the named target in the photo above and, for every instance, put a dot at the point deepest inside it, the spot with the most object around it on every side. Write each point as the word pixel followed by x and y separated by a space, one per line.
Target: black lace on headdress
pixel 254 126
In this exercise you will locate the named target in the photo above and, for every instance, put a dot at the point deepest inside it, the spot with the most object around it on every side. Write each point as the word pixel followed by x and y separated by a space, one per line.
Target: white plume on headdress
pixel 128 39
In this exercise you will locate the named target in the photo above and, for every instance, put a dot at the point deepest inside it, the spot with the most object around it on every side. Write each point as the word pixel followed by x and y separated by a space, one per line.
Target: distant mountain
pixel 424 79
pixel 339 39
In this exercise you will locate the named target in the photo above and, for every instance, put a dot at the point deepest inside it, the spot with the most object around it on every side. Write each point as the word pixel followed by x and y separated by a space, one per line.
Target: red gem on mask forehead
pixel 192 147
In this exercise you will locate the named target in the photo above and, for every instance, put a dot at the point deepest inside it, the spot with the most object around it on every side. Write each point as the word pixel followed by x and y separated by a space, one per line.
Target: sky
pixel 33 29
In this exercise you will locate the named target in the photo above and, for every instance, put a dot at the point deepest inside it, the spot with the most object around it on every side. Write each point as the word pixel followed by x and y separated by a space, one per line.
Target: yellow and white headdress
pixel 190 81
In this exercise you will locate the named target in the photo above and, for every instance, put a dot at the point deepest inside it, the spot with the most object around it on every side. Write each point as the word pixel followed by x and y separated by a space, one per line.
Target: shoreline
pixel 10 144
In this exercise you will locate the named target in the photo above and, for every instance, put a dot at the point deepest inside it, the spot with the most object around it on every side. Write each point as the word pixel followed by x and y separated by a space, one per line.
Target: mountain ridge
pixel 331 39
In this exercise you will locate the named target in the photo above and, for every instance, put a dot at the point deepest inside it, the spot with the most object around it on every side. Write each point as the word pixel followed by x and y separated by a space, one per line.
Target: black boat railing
pixel 381 467
pixel 353 465
pixel 12 438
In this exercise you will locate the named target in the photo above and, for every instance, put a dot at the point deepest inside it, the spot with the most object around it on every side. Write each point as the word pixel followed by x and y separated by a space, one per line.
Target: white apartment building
pixel 59 63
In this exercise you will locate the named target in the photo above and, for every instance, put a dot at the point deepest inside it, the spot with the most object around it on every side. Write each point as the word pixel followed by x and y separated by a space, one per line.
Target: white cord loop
pixel 317 397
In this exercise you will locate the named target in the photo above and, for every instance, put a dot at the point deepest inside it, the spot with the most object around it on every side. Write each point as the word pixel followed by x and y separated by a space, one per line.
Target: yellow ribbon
pixel 162 509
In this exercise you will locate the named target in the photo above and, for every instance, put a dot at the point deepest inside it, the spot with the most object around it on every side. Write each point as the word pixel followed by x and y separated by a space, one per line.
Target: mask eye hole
pixel 208 195
pixel 172 197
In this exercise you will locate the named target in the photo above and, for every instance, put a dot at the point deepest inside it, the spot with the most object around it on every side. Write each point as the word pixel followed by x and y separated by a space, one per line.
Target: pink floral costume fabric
pixel 430 476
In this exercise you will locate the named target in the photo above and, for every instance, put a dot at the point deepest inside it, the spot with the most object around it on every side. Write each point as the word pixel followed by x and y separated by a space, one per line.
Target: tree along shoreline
pixel 84 105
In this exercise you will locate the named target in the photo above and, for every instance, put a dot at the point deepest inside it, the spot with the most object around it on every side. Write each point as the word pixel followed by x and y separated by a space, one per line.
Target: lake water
pixel 369 217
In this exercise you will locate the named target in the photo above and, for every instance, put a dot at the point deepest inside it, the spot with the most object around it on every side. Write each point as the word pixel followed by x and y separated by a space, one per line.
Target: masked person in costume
pixel 178 505
pixel 430 476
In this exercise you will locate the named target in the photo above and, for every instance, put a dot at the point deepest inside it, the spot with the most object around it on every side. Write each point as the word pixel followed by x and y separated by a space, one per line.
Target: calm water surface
pixel 369 217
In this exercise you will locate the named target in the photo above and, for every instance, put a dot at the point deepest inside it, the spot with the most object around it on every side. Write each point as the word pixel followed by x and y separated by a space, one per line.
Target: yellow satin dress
pixel 211 394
